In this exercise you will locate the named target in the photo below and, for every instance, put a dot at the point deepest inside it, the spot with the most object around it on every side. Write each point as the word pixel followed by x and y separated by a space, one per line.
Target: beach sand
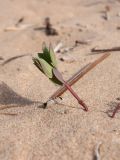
pixel 62 131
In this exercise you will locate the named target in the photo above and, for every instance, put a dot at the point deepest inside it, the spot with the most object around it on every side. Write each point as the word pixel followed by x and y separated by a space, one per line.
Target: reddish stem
pixel 116 110
pixel 76 96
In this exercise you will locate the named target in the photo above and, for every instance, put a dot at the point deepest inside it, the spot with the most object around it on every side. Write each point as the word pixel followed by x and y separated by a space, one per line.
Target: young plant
pixel 47 64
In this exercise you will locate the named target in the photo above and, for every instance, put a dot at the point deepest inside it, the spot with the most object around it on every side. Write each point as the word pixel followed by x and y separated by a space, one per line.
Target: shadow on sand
pixel 11 99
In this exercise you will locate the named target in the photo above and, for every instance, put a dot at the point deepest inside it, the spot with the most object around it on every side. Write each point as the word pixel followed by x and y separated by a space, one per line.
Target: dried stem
pixel 59 76
pixel 78 75
pixel 105 50
pixel 13 58
pixel 74 79
pixel 76 96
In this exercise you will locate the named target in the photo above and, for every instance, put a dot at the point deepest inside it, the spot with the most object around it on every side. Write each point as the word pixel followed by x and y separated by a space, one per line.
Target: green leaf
pixel 47 69
pixel 37 64
pixel 46 54
pixel 52 56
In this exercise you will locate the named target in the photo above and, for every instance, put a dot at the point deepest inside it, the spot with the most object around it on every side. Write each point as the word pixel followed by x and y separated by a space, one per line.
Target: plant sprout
pixel 47 64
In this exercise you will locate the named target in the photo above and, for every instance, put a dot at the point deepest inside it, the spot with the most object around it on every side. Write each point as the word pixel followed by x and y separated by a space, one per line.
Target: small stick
pixel 115 110
pixel 13 58
pixel 59 76
pixel 105 50
pixel 77 76
pixel 76 96
pixel 9 114
pixel 18 27
pixel 20 21
pixel 48 28
pixel 81 42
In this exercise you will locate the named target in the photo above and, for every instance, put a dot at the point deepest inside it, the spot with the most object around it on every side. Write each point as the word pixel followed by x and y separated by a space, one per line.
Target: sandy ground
pixel 60 132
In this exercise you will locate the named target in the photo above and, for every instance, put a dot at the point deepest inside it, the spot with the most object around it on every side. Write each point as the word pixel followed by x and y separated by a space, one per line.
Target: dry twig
pixel 76 77
pixel 13 58
pixel 49 30
pixel 105 50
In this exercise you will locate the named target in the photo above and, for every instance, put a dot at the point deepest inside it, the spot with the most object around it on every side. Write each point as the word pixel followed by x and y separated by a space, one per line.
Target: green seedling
pixel 47 64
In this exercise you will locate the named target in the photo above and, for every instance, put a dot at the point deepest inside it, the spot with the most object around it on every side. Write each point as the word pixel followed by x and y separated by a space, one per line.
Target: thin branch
pixel 78 75
pixel 13 58
pixel 60 77
pixel 105 50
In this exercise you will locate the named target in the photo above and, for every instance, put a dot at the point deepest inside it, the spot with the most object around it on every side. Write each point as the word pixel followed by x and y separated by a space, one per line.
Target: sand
pixel 62 131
